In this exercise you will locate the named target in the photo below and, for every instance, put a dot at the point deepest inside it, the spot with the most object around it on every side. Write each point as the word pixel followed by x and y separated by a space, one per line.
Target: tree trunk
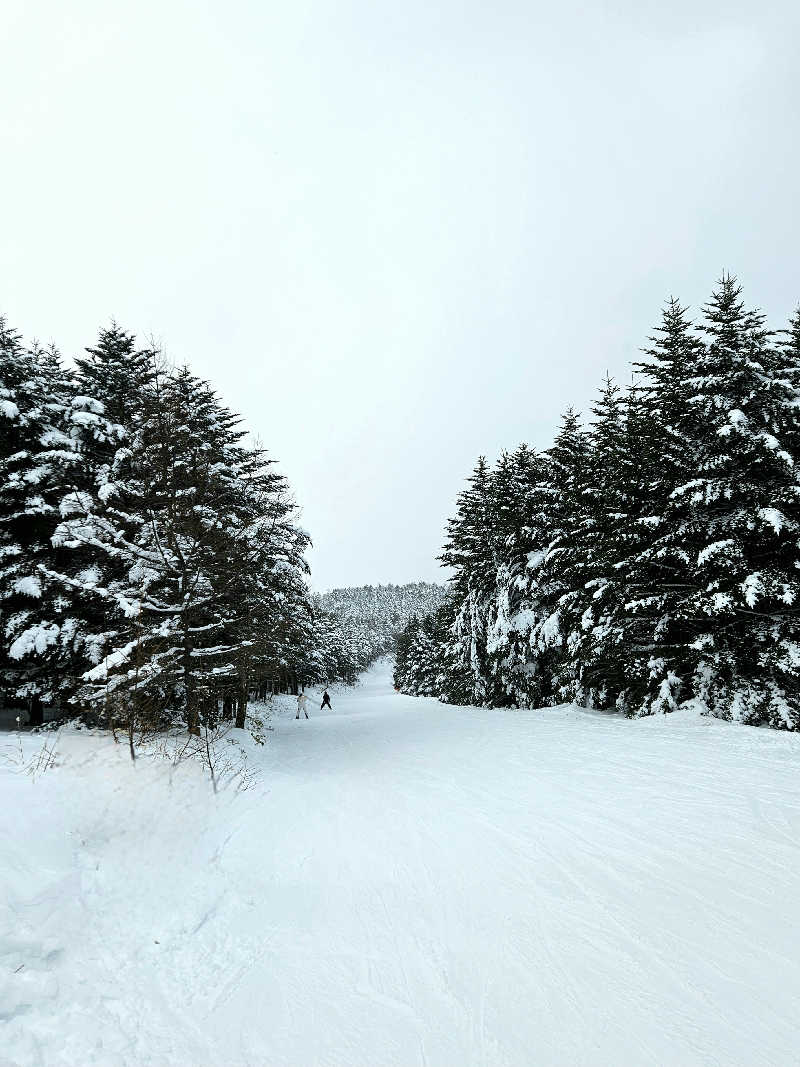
pixel 241 709
pixel 35 711
pixel 192 718
pixel 227 706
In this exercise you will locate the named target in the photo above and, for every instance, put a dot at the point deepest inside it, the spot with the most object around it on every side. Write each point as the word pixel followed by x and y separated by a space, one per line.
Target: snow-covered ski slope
pixel 410 884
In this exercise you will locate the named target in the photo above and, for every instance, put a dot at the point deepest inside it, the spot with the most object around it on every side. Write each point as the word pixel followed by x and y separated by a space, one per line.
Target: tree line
pixel 367 619
pixel 151 563
pixel 648 558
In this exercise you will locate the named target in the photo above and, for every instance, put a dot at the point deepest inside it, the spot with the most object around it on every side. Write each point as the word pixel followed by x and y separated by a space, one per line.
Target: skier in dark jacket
pixel 326 701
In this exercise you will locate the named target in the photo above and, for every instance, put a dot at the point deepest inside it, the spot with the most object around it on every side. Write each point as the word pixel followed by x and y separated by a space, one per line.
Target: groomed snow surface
pixel 408 883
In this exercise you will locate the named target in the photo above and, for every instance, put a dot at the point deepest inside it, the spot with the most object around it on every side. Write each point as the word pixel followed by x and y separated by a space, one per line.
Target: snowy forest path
pixel 411 883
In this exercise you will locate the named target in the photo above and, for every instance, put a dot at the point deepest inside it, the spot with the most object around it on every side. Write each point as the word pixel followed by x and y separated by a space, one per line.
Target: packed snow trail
pixel 410 883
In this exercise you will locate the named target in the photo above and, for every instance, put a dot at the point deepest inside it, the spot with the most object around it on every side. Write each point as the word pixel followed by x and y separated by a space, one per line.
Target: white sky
pixel 393 235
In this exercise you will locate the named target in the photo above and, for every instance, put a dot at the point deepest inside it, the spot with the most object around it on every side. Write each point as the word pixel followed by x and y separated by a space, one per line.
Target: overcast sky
pixel 393 235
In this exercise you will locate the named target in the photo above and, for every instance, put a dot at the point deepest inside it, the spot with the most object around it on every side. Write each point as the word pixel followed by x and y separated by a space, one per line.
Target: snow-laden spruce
pixel 38 463
pixel 150 561
pixel 648 559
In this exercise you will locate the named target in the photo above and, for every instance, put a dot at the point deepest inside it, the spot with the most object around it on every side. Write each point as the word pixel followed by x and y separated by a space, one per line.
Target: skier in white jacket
pixel 302 700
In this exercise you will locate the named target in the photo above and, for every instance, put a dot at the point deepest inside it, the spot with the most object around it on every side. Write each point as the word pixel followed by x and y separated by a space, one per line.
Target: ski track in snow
pixel 409 884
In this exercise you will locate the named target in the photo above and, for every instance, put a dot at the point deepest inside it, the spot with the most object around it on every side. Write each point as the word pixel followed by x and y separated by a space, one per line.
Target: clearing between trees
pixel 406 882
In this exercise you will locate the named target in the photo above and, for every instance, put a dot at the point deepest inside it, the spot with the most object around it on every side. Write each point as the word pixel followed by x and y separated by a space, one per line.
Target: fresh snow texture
pixel 29 586
pixel 408 883
pixel 36 639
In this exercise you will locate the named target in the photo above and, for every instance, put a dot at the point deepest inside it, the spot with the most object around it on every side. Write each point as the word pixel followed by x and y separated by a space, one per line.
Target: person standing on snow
pixel 302 700
pixel 326 701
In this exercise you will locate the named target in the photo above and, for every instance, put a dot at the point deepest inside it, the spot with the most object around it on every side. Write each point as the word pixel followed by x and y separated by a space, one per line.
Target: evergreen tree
pixel 423 665
pixel 515 610
pixel 742 535
pixel 590 611
pixel 652 559
pixel 118 374
pixel 470 552
pixel 560 571
pixel 37 459
pixel 191 532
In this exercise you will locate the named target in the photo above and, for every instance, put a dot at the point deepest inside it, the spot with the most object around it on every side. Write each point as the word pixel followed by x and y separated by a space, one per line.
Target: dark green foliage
pixel 150 565
pixel 649 559
pixel 38 463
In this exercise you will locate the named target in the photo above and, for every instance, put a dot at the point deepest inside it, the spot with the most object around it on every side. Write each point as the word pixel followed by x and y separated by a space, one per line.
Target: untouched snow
pixel 408 883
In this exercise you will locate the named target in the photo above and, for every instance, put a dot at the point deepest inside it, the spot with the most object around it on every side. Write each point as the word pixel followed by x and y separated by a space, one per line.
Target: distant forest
pixel 368 619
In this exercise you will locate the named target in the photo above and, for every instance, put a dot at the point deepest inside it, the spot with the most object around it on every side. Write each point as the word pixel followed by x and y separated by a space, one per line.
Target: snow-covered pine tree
pixel 331 654
pixel 743 530
pixel 269 604
pixel 589 611
pixel 177 528
pixel 418 660
pixel 507 534
pixel 512 614
pixel 37 461
pixel 101 480
pixel 653 560
pixel 119 374
pixel 716 583
pixel 469 552
pixel 404 675
pixel 654 574
pixel 560 571
pixel 785 383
